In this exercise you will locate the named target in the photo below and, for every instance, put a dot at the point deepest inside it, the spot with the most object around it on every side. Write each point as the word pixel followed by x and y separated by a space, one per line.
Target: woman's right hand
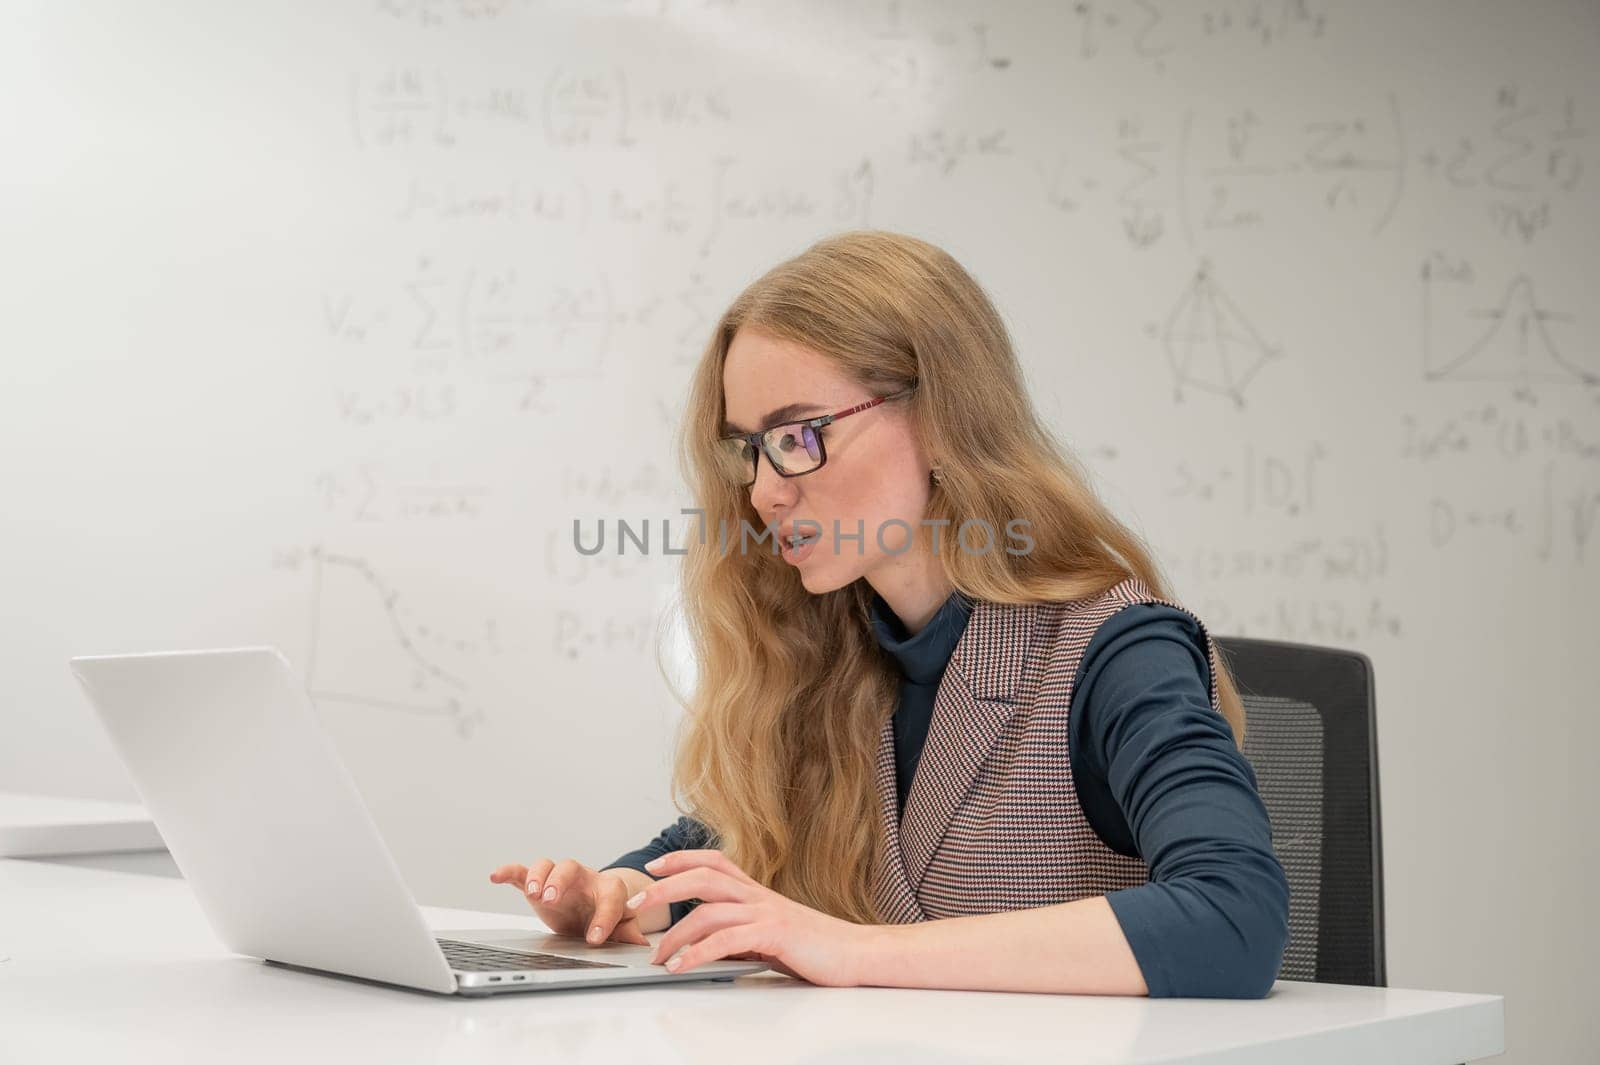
pixel 588 904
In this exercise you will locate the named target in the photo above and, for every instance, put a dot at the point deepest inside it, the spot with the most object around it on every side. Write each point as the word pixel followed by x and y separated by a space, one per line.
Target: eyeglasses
pixel 793 449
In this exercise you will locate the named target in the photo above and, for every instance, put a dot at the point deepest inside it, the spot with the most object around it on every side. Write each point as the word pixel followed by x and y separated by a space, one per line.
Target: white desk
pixel 47 824
pixel 114 967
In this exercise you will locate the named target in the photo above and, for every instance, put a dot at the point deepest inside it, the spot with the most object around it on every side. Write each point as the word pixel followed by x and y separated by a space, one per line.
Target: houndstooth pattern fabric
pixel 992 820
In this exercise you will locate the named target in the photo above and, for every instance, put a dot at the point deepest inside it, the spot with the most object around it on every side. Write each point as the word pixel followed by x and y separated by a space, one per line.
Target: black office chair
pixel 1311 736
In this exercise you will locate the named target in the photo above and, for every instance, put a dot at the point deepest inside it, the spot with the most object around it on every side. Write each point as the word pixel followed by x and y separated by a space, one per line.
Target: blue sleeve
pixel 1213 920
pixel 682 835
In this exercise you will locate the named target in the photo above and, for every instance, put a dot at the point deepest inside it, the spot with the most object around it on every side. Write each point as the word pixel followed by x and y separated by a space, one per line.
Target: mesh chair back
pixel 1311 738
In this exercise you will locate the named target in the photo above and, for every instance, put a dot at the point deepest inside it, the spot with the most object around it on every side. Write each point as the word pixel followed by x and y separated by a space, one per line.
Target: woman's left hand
pixel 740 918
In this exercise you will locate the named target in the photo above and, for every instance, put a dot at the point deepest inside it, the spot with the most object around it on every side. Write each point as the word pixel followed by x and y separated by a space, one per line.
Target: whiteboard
pixel 325 323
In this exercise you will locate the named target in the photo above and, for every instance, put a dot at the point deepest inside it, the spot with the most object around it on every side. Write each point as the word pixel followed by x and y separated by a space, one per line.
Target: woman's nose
pixel 770 486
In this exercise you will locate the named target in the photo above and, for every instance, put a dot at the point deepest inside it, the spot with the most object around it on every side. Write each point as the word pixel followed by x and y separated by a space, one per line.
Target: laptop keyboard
pixel 477 958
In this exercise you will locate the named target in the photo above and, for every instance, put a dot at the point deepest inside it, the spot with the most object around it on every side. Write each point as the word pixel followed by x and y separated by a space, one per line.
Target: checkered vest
pixel 992 820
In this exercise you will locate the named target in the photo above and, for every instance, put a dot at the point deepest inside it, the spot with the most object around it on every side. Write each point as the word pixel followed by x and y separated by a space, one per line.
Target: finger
pixel 609 908
pixel 773 963
pixel 509 874
pixel 703 920
pixel 708 885
pixel 719 945
pixel 679 861
pixel 561 878
pixel 628 931
pixel 533 880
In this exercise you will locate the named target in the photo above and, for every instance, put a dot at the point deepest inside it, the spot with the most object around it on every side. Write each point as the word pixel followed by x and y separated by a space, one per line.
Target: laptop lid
pixel 259 812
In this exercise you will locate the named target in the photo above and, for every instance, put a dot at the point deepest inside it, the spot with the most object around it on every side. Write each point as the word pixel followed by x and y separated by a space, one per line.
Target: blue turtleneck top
pixel 1158 775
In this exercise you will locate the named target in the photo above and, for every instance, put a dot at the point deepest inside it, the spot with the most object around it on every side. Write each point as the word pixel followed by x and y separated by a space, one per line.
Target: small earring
pixel 936 476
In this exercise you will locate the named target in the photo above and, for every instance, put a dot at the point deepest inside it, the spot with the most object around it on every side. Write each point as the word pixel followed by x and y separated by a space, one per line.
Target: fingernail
pixel 533 885
pixel 653 863
pixel 674 963
pixel 633 903
pixel 594 933
pixel 549 893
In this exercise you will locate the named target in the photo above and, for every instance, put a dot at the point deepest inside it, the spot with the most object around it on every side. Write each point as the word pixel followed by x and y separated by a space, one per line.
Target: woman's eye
pixel 787 442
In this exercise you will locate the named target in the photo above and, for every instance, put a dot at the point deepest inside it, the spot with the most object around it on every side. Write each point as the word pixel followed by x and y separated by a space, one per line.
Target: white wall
pixel 322 325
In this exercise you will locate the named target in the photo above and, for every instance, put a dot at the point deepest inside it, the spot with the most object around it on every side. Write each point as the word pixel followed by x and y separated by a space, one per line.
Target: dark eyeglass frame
pixel 757 439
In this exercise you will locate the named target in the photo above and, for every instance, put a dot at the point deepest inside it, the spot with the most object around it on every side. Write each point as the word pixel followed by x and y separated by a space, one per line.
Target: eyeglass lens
pixel 792 448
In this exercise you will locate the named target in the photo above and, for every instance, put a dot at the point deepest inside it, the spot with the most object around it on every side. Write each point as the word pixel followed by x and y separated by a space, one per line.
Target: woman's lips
pixel 796 555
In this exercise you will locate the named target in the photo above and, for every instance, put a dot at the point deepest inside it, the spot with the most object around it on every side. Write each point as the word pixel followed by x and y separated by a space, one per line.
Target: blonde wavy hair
pixel 777 750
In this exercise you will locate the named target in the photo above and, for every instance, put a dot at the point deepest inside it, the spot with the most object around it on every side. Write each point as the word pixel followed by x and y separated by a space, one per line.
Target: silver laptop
pixel 266 825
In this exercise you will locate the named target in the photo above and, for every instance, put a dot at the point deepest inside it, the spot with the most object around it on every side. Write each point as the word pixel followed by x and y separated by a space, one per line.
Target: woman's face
pixel 875 470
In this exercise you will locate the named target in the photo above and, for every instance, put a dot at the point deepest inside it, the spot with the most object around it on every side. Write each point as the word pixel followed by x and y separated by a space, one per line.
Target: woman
pixel 1057 801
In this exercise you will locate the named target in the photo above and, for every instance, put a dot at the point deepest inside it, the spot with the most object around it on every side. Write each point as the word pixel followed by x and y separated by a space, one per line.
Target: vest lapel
pixel 976 697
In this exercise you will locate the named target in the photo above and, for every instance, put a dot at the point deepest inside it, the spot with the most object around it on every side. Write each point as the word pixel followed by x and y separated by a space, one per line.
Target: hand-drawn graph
pixel 1515 345
pixel 1210 344
pixel 366 649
